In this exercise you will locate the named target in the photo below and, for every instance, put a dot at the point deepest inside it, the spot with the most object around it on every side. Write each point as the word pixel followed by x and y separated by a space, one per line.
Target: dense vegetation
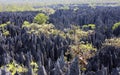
pixel 70 41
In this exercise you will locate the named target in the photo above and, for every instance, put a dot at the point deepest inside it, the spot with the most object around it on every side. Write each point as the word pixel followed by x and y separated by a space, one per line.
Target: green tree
pixel 26 23
pixel 40 18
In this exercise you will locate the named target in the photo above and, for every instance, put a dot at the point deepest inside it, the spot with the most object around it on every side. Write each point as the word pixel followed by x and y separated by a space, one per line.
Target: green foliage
pixel 6 33
pixel 116 25
pixel 40 18
pixel 3 25
pixel 89 26
pixel 112 42
pixel 83 51
pixel 13 68
pixel 75 33
pixel 92 26
pixel 26 23
pixel 47 29
pixel 84 26
pixel 34 66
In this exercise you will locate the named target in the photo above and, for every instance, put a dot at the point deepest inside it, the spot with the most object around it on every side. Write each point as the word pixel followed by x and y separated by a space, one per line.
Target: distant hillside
pixel 57 1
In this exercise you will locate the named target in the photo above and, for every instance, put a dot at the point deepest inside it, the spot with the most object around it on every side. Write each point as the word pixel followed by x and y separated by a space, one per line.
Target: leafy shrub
pixel 89 27
pixel 47 29
pixel 83 51
pixel 116 29
pixel 26 23
pixel 116 25
pixel 34 66
pixel 13 68
pixel 112 42
pixel 92 26
pixel 6 33
pixel 40 18
pixel 75 33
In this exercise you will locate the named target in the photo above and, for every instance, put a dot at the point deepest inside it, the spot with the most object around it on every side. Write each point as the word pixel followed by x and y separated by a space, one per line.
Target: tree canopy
pixel 40 18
